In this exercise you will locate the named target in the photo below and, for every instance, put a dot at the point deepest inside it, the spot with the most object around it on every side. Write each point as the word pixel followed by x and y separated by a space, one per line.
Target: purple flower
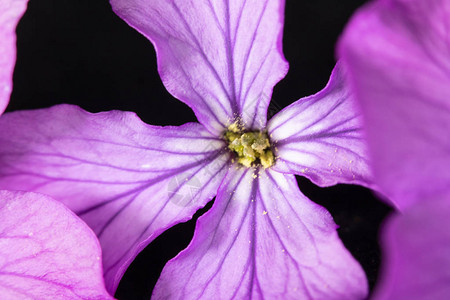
pixel 398 56
pixel 130 181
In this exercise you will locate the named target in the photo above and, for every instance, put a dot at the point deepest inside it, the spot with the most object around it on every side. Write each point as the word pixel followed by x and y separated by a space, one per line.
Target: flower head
pixel 262 237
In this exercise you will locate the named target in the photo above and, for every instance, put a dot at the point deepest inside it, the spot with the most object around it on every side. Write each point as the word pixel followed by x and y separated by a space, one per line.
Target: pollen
pixel 252 148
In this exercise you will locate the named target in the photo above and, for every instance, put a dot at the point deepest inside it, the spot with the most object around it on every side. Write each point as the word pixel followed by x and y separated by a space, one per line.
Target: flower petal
pixel 10 14
pixel 416 248
pixel 46 252
pixel 321 137
pixel 127 180
pixel 398 57
pixel 263 239
pixel 222 58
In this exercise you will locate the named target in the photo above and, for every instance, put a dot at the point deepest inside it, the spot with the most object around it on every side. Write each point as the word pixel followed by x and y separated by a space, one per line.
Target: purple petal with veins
pixel 10 13
pixel 46 252
pixel 127 180
pixel 398 57
pixel 321 137
pixel 263 239
pixel 222 58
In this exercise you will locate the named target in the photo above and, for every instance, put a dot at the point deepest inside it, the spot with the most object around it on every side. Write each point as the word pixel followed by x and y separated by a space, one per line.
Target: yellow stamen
pixel 251 148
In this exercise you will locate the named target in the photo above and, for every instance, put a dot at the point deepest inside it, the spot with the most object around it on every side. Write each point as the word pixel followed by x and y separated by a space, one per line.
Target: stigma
pixel 251 148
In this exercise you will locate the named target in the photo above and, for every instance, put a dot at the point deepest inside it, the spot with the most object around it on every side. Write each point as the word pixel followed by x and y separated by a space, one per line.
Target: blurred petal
pixel 222 58
pixel 321 137
pixel 127 180
pixel 416 247
pixel 10 13
pixel 46 252
pixel 263 239
pixel 398 57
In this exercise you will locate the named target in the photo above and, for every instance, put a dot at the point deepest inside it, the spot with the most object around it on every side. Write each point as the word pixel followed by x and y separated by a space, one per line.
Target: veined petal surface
pixel 322 137
pixel 263 239
pixel 127 180
pixel 222 58
pixel 416 248
pixel 397 53
pixel 10 13
pixel 46 252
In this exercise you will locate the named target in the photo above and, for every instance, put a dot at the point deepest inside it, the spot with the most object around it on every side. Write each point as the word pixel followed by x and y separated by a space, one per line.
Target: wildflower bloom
pixel 127 179
pixel 398 60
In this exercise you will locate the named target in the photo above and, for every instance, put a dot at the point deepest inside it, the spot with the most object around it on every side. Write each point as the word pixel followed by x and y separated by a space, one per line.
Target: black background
pixel 80 52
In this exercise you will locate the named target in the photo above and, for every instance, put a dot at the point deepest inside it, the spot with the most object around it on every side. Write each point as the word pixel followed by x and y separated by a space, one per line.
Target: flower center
pixel 251 148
